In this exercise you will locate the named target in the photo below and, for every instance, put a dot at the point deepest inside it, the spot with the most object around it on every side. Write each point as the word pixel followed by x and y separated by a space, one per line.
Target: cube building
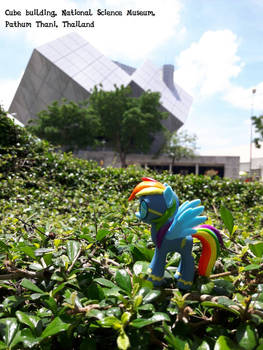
pixel 69 67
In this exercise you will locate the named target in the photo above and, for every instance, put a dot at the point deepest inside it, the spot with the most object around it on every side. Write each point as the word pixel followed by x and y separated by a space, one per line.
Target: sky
pixel 215 46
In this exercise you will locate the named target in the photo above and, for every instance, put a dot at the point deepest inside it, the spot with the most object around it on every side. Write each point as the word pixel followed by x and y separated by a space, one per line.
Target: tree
pixel 10 134
pixel 128 123
pixel 180 145
pixel 70 125
pixel 258 123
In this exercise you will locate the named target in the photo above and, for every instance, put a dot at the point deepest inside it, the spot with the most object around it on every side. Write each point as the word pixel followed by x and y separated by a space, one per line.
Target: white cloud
pixel 7 91
pixel 131 36
pixel 214 139
pixel 243 151
pixel 208 66
pixel 243 98
pixel 136 37
pixel 208 138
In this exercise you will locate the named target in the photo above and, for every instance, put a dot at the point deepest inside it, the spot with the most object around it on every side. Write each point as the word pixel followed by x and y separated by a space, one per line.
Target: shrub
pixel 74 259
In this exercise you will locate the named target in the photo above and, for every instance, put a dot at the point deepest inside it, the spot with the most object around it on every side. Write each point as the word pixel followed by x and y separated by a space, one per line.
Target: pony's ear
pixel 169 197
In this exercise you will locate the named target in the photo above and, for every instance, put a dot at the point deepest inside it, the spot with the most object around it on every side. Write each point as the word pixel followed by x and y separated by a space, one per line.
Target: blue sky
pixel 215 45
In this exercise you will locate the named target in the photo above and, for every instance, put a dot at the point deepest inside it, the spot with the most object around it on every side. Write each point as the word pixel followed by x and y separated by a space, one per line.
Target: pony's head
pixel 158 202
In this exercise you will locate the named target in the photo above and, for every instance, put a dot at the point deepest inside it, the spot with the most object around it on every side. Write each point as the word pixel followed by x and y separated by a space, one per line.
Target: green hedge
pixel 74 258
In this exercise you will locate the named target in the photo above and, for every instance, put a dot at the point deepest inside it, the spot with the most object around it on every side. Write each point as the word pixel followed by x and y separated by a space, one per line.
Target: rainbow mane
pixel 147 187
pixel 211 241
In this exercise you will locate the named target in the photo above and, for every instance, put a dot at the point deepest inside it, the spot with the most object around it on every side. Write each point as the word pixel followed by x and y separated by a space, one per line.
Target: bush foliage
pixel 111 118
pixel 74 259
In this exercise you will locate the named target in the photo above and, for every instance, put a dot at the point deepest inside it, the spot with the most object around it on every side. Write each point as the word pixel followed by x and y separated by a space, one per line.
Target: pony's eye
pixel 143 209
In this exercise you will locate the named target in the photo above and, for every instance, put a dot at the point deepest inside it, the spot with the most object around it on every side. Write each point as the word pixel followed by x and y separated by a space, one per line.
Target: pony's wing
pixel 186 205
pixel 185 220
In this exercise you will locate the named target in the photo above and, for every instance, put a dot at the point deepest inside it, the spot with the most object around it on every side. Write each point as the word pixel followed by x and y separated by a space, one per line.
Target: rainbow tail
pixel 211 240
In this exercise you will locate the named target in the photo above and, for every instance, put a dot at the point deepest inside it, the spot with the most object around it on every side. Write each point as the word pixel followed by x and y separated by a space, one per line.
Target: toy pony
pixel 172 230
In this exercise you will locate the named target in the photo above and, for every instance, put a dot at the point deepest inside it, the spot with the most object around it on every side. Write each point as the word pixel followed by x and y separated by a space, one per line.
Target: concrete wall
pixel 109 158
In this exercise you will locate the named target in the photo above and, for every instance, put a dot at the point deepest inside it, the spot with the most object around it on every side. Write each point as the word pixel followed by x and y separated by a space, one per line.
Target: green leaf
pixel 36 267
pixel 95 292
pixel 28 251
pixel 258 305
pixel 226 287
pixel 31 286
pixel 16 340
pixel 140 267
pixel 153 294
pixel 2 345
pixel 142 253
pixel 52 305
pixel 101 234
pixel 176 342
pixel 59 288
pixel 125 317
pixel 8 329
pixel 87 237
pixel 65 261
pixel 257 249
pixel 115 292
pixel 35 296
pixel 123 341
pixel 246 337
pixel 123 280
pixel 225 343
pixel 147 307
pixel 28 339
pixel 227 219
pixel 157 317
pixel 96 314
pixel 113 311
pixel 111 322
pixel 28 319
pixel 137 301
pixel 220 306
pixel 104 282
pixel 13 302
pixel 225 301
pixel 56 326
pixel 207 287
pixel 42 251
pixel 4 247
pixel 203 346
pixel 48 258
pixel 251 267
pixel 73 248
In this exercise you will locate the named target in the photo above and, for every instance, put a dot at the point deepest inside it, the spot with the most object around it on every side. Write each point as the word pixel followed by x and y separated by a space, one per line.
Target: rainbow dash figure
pixel 172 229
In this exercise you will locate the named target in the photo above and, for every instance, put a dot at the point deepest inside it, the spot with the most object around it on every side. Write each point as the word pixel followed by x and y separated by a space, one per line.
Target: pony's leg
pixel 178 272
pixel 187 266
pixel 179 244
pixel 157 267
